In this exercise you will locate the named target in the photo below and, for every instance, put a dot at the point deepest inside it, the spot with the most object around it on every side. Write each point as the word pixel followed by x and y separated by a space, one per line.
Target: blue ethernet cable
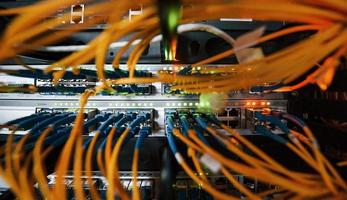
pixel 131 134
pixel 266 132
pixel 120 121
pixel 203 125
pixel 15 121
pixel 184 124
pixel 94 121
pixel 200 121
pixel 171 140
pixel 142 117
pixel 261 89
pixel 273 120
pixel 61 138
pixel 32 122
pixel 28 123
pixel 87 72
pixel 112 119
pixel 133 126
pixel 51 138
pixel 65 120
pixel 47 122
pixel 118 125
pixel 101 129
pixel 198 130
pixel 125 118
pixel 185 127
pixel 282 126
pixel 107 130
pixel 87 142
pixel 143 133
pixel 60 133
pixel 121 73
pixel 103 143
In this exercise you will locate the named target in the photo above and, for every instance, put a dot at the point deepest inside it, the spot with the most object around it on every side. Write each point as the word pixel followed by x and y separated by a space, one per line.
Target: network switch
pixel 172 100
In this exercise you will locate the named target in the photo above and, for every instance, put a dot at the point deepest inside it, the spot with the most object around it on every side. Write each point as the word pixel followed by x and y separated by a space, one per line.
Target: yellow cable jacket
pixel 134 169
pixel 89 168
pixel 112 171
pixel 77 169
pixel 38 168
pixel 109 146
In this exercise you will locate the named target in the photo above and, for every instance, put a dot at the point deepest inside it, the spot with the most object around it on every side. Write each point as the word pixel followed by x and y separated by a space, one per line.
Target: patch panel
pixel 234 113
pixel 64 86
pixel 71 83
pixel 147 181
pixel 237 117
pixel 223 116
pixel 149 122
pixel 185 187
pixel 139 89
pixel 77 86
pixel 93 112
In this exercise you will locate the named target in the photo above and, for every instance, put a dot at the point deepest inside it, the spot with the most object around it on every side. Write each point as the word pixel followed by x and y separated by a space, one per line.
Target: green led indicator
pixel 211 102
pixel 173 17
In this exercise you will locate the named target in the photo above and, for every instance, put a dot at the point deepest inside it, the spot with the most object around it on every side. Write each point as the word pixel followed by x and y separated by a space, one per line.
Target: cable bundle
pixel 326 181
pixel 22 163
pixel 29 31
pixel 327 18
